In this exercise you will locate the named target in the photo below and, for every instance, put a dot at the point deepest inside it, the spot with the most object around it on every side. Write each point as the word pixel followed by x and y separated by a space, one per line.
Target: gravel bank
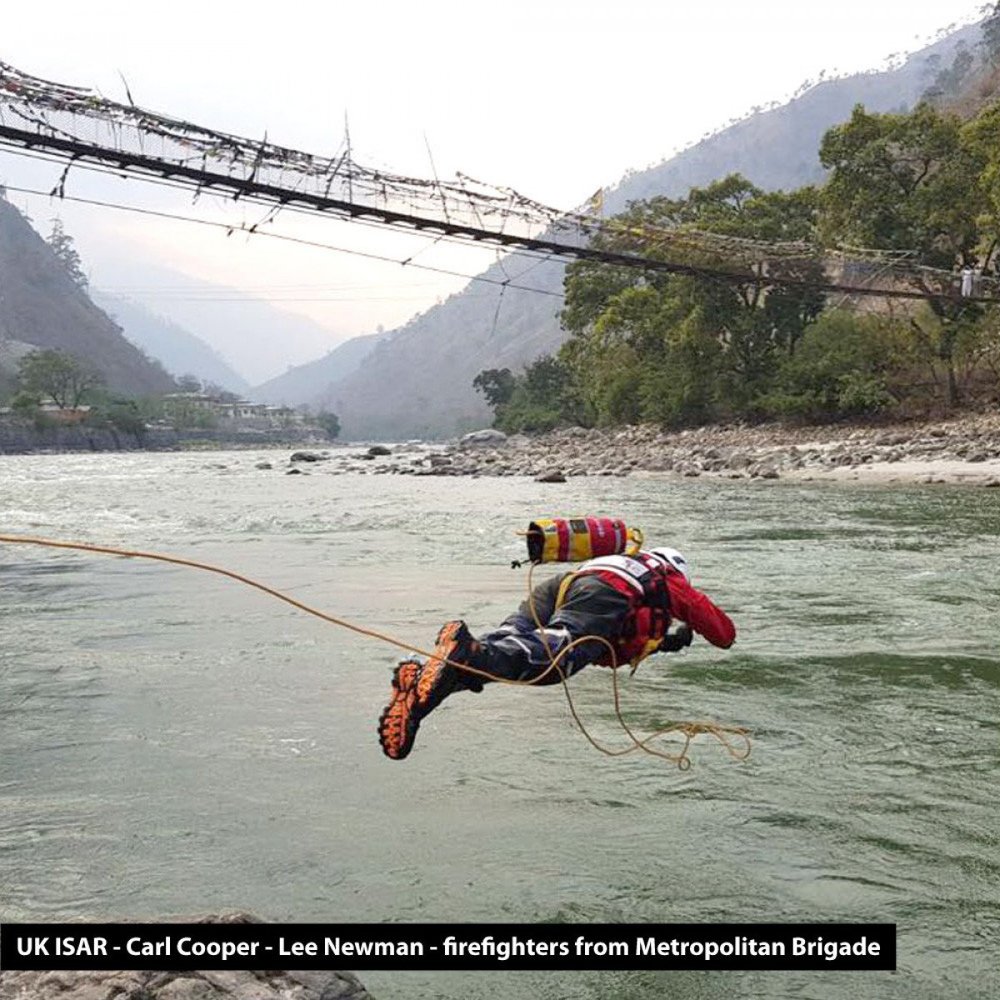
pixel 965 450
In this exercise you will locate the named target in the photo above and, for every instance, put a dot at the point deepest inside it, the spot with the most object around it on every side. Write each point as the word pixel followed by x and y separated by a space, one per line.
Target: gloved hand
pixel 674 641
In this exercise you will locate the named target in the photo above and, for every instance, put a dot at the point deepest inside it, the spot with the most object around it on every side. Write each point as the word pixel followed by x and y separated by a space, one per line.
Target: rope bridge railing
pixel 78 126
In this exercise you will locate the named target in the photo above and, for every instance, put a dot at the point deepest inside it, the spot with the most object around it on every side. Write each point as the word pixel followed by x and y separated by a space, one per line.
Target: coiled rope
pixel 688 730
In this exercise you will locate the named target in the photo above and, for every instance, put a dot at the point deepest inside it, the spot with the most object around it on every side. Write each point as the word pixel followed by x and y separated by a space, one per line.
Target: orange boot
pixel 398 724
pixel 439 679
pixel 417 689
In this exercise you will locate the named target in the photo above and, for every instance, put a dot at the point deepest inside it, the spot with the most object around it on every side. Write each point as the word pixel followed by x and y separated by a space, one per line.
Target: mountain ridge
pixel 177 349
pixel 430 361
pixel 42 306
pixel 315 381
pixel 255 338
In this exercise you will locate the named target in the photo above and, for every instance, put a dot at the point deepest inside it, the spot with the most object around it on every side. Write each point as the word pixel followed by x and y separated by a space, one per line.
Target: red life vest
pixel 641 579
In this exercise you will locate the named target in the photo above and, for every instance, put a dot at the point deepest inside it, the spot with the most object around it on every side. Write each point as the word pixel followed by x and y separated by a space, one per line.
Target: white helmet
pixel 673 559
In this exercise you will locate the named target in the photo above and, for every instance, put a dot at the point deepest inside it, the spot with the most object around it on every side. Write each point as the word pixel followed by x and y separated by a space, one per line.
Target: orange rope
pixel 689 729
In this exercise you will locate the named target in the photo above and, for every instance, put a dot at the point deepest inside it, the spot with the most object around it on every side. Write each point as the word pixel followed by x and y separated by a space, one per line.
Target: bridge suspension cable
pixel 80 127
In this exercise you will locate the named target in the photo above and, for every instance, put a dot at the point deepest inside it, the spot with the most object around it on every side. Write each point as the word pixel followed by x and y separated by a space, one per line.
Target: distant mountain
pixel 41 306
pixel 316 382
pixel 180 352
pixel 256 339
pixel 418 381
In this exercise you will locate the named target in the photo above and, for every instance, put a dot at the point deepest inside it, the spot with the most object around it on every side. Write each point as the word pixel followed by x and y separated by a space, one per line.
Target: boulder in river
pixel 486 436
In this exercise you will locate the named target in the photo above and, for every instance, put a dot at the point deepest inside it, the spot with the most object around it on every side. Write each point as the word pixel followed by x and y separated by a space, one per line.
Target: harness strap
pixel 655 596
pixel 564 589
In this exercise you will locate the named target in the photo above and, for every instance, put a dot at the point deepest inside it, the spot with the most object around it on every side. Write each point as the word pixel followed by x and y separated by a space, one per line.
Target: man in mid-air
pixel 628 601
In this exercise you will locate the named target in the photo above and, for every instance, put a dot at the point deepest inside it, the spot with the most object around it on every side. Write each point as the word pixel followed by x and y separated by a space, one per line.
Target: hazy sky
pixel 551 97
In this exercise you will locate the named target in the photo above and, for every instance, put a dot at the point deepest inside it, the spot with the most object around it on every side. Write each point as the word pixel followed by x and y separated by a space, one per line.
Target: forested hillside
pixel 910 207
pixel 430 362
pixel 43 304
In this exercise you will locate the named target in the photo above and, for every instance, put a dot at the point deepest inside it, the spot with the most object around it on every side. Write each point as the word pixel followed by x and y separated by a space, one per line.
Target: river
pixel 174 743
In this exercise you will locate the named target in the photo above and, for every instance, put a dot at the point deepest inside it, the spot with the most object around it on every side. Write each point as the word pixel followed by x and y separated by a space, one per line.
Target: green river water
pixel 173 743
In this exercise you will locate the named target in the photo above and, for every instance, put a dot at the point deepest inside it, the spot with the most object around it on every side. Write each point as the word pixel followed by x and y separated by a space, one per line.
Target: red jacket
pixel 698 611
pixel 645 620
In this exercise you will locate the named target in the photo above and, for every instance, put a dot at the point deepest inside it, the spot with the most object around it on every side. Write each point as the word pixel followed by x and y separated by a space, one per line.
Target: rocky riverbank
pixel 206 985
pixel 233 984
pixel 21 437
pixel 965 449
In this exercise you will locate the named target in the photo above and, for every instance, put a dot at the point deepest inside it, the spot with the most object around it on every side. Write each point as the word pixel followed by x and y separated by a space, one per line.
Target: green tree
pixel 845 366
pixel 909 183
pixel 123 414
pixel 990 41
pixel 64 248
pixel 330 423
pixel 185 415
pixel 981 136
pixel 685 347
pixel 544 396
pixel 903 182
pixel 57 376
pixel 496 384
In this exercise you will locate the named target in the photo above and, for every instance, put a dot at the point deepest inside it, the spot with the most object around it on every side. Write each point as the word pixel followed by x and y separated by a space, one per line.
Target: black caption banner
pixel 166 946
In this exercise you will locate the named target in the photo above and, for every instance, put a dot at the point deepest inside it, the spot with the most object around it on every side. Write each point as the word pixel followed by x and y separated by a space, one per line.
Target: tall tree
pixel 669 346
pixel 330 423
pixel 65 249
pixel 990 41
pixel 908 183
pixel 496 384
pixel 57 376
pixel 949 81
pixel 982 137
